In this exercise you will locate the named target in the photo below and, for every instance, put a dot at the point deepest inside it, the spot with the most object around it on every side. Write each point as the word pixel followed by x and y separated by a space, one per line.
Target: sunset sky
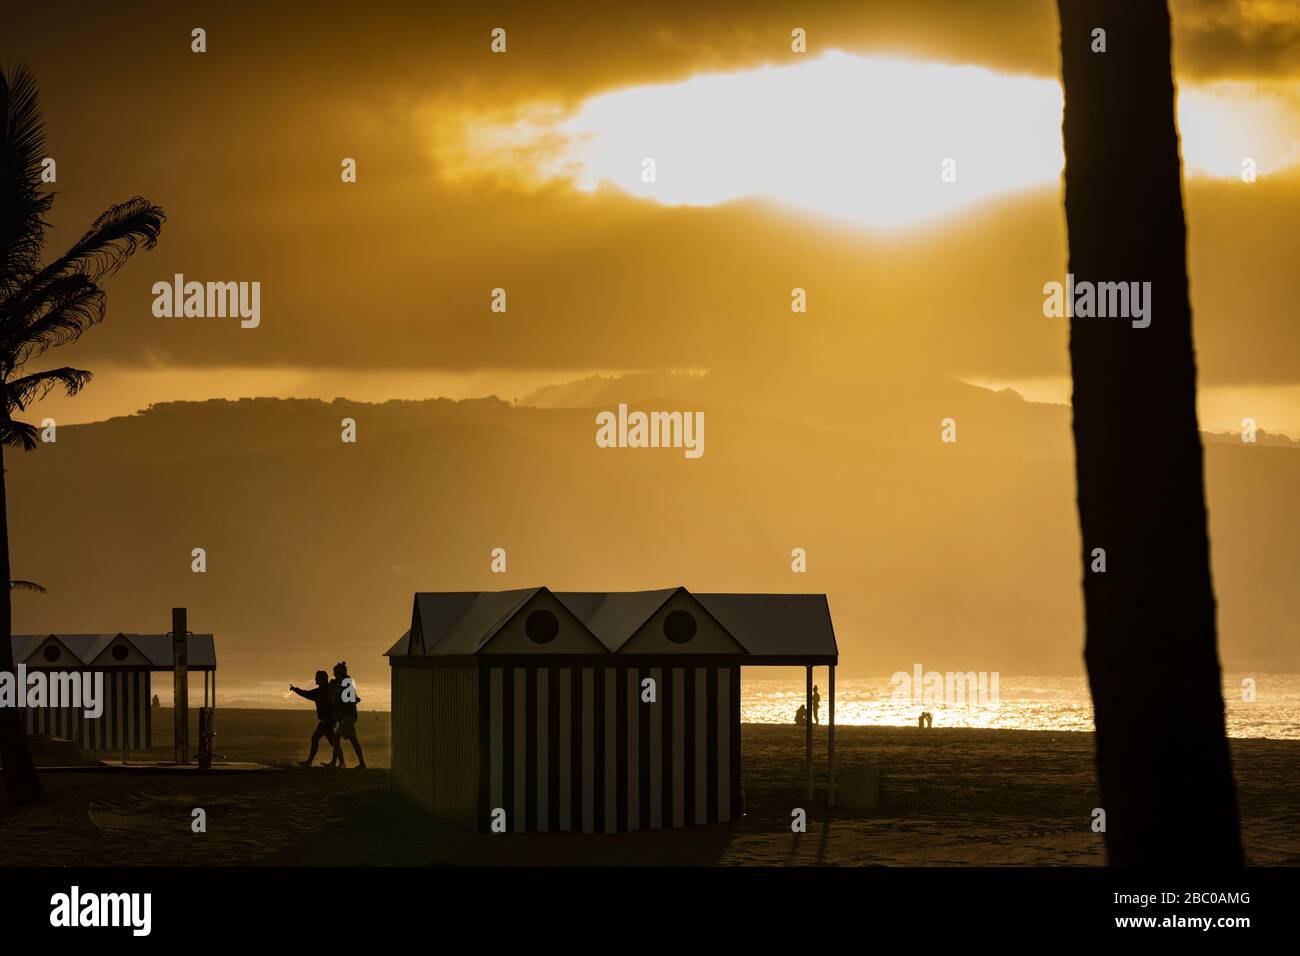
pixel 523 171
pixel 774 170
pixel 607 356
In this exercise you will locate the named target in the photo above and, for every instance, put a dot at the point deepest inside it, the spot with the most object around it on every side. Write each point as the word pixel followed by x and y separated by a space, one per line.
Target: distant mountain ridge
pixel 960 556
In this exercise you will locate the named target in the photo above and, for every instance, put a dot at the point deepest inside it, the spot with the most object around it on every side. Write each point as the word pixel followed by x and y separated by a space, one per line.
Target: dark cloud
pixel 1236 39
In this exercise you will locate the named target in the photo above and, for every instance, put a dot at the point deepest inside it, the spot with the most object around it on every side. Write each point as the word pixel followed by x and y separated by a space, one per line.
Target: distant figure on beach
pixel 817 705
pixel 925 720
pixel 343 695
pixel 320 696
pixel 801 716
pixel 156 702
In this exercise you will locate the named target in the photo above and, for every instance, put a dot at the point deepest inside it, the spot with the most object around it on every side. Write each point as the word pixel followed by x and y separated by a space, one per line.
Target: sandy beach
pixel 951 797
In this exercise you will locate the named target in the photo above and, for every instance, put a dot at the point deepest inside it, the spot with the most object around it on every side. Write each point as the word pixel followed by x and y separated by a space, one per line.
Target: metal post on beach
pixel 830 742
pixel 181 685
pixel 808 726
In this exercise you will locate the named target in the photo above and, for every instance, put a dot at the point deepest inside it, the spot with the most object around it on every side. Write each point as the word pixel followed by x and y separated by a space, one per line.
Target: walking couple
pixel 336 714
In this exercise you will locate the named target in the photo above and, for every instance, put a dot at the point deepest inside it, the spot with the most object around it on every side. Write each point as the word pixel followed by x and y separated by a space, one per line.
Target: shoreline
pixel 165 725
pixel 950 797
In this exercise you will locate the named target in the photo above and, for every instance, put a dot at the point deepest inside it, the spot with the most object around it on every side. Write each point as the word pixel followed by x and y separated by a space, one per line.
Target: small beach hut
pixel 128 662
pixel 592 712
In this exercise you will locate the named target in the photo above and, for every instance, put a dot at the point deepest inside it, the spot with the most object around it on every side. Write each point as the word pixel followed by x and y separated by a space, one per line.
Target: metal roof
pixel 614 616
pixel 772 628
pixel 156 648
pixel 462 622
pixel 776 625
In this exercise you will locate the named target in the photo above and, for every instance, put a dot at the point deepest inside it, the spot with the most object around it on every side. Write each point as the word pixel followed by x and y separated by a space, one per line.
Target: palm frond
pixel 41 308
pixel 33 321
pixel 26 586
pixel 108 243
pixel 21 392
pixel 22 204
pixel 15 434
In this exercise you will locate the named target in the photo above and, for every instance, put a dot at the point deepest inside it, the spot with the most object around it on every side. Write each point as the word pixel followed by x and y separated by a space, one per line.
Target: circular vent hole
pixel 679 627
pixel 541 627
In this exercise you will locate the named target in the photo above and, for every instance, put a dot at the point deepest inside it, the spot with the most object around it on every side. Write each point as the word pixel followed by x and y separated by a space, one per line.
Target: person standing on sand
pixel 320 696
pixel 344 696
pixel 817 705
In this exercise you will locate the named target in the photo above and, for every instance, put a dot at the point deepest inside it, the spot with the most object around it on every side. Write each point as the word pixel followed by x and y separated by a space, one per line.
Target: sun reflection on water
pixel 1026 703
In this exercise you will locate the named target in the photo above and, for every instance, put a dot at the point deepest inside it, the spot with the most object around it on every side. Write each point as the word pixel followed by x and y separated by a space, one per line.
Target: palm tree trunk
pixel 22 785
pixel 1162 755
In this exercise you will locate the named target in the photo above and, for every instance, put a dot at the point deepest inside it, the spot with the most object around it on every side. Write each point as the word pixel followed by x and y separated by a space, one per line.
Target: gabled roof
pixel 36 649
pixel 402 648
pixel 96 647
pixel 770 628
pixel 776 625
pixel 457 623
pixel 23 645
pixel 614 616
pixel 104 652
pixel 156 648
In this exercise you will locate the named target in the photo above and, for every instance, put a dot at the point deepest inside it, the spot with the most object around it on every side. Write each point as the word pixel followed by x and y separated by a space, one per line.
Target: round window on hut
pixel 679 627
pixel 51 653
pixel 119 652
pixel 541 627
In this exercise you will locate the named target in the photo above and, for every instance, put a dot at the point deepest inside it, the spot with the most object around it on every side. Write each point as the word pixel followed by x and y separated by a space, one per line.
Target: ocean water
pixel 1024 703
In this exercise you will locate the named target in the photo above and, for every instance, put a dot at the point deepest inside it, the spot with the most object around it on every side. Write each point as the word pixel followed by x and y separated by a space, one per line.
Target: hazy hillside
pixel 956 556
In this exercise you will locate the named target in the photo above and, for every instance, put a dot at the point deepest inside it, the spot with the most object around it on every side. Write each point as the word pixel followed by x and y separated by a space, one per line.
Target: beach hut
pixel 128 662
pixel 592 712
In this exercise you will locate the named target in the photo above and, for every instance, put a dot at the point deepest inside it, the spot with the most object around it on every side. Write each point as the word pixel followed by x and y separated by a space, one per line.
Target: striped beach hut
pixel 591 712
pixel 128 662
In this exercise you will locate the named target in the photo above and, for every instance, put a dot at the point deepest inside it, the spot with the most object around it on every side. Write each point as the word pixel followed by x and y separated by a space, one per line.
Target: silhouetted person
pixel 801 716
pixel 343 696
pixel 817 705
pixel 320 696
pixel 156 702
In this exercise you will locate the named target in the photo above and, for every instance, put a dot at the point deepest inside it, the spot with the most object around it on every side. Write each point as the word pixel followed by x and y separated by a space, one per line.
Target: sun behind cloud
pixel 877 142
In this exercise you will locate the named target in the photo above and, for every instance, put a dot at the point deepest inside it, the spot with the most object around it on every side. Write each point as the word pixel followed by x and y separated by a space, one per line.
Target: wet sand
pixel 950 797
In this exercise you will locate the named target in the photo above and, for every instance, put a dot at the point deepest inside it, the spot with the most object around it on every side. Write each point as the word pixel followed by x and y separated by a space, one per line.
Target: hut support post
pixel 830 743
pixel 180 685
pixel 808 727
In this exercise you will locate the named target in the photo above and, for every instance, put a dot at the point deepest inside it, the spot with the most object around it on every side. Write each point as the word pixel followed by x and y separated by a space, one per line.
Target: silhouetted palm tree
pixel 1162 755
pixel 42 307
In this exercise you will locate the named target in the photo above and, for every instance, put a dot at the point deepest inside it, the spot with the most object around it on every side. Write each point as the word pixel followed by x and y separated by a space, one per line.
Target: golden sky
pixel 522 171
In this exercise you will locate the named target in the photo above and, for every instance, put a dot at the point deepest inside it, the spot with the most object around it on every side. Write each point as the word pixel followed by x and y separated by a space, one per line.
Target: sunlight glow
pixel 1220 125
pixel 854 138
pixel 861 139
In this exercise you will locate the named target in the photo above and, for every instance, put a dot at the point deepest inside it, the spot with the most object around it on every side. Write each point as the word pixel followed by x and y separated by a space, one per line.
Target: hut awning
pixel 776 629
pixel 154 651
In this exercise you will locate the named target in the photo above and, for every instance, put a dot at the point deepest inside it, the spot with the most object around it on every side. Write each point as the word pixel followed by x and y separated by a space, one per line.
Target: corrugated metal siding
pixel 435 741
pixel 456 744
pixel 595 759
pixel 125 723
pixel 611 763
